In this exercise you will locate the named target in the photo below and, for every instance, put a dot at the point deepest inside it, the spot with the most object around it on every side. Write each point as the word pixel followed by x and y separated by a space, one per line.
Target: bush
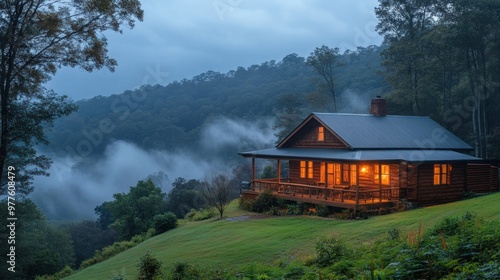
pixel 164 222
pixel 117 247
pixel 294 209
pixel 149 267
pixel 330 250
pixel 322 210
pixel 394 234
pixel 263 202
pixel 184 271
pixel 200 215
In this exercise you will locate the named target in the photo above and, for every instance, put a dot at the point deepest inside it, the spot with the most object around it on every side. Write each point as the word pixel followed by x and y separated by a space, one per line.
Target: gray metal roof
pixel 365 131
pixel 415 156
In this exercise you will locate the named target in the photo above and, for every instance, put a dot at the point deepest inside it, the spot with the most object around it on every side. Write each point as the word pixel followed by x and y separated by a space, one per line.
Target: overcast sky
pixel 183 38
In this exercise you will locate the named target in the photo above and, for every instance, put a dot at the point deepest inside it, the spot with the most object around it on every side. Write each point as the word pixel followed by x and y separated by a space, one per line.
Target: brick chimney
pixel 378 106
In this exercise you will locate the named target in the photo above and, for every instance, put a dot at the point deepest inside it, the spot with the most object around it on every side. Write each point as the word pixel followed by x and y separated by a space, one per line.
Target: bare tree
pixel 217 192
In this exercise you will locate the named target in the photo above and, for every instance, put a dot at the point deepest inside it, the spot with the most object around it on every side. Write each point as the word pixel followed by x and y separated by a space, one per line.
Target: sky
pixel 183 38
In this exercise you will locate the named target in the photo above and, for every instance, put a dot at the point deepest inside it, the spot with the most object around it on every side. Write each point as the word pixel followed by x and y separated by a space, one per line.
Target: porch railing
pixel 341 193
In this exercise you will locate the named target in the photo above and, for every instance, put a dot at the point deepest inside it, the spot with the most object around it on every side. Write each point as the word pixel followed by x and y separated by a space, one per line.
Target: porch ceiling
pixel 417 155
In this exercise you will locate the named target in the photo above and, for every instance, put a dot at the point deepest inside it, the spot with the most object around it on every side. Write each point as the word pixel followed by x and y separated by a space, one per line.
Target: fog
pixel 73 190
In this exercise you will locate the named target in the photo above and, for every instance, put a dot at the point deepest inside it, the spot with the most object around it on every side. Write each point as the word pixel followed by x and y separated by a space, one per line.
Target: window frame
pixel 442 174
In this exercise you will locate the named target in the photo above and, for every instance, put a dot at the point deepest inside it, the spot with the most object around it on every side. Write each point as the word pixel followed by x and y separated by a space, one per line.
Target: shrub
pixel 246 203
pixel 200 215
pixel 322 210
pixel 117 247
pixel 164 222
pixel 263 202
pixel 394 234
pixel 149 267
pixel 294 209
pixel 330 250
pixel 184 271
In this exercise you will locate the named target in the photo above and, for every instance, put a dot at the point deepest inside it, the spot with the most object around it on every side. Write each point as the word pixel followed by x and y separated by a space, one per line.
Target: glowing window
pixel 337 174
pixel 353 174
pixel 381 174
pixel 306 169
pixel 442 174
pixel 310 173
pixel 321 134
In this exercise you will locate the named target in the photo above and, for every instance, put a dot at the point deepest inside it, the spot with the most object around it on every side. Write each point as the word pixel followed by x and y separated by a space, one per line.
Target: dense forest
pixel 172 117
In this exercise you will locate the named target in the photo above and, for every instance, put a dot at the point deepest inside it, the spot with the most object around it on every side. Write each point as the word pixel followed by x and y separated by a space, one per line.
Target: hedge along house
pixel 372 160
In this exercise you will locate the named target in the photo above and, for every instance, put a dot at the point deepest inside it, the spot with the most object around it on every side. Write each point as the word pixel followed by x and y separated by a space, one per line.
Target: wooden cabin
pixel 372 160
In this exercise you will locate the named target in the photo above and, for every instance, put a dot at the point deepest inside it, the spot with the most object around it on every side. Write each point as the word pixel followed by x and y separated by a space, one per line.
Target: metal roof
pixel 415 155
pixel 365 131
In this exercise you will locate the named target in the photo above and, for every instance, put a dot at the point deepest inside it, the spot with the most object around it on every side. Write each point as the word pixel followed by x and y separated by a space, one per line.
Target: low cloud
pixel 73 190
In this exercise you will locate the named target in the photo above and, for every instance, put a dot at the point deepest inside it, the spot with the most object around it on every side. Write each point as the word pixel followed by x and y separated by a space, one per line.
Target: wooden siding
pixel 416 182
pixel 426 193
pixel 481 178
pixel 308 137
pixel 365 179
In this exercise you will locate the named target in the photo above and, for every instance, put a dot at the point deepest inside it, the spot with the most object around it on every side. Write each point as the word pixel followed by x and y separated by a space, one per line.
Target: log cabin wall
pixel 366 179
pixel 495 180
pixel 294 172
pixel 429 194
pixel 308 137
pixel 477 178
pixel 412 182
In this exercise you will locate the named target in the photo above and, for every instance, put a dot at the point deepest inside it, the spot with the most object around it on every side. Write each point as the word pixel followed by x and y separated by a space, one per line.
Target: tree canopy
pixel 36 38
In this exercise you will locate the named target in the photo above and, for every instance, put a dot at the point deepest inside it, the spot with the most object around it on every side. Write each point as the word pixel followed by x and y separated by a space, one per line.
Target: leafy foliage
pixel 37 37
pixel 40 248
pixel 149 267
pixel 185 195
pixel 116 248
pixel 162 117
pixel 164 222
pixel 133 213
pixel 87 237
pixel 330 250
pixel 442 61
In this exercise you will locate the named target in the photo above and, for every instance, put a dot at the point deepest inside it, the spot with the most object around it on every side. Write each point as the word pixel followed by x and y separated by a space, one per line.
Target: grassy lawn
pixel 265 240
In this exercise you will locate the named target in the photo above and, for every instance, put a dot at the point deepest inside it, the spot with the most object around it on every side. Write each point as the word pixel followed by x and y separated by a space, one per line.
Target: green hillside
pixel 234 243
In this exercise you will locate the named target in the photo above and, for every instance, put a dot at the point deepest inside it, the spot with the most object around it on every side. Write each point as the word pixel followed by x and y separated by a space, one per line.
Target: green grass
pixel 215 244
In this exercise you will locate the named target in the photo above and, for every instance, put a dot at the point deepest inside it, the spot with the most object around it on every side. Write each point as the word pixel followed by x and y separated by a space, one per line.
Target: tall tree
pixel 132 213
pixel 324 61
pixel 474 29
pixel 403 24
pixel 36 38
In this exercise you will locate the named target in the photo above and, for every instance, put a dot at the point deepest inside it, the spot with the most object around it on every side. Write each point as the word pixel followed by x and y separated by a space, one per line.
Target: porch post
pixel 379 166
pixel 253 171
pixel 279 171
pixel 357 186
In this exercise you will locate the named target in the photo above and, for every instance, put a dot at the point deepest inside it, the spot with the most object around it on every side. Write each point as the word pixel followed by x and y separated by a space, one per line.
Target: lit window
pixel 353 174
pixel 322 171
pixel 381 174
pixel 337 174
pixel 302 169
pixel 321 134
pixel 310 173
pixel 345 173
pixel 306 169
pixel 442 174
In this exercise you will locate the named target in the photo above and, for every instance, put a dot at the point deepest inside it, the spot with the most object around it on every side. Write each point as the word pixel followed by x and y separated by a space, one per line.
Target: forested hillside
pixel 171 117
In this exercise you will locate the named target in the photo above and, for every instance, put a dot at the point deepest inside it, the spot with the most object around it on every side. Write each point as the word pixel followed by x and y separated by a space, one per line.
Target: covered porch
pixel 341 196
